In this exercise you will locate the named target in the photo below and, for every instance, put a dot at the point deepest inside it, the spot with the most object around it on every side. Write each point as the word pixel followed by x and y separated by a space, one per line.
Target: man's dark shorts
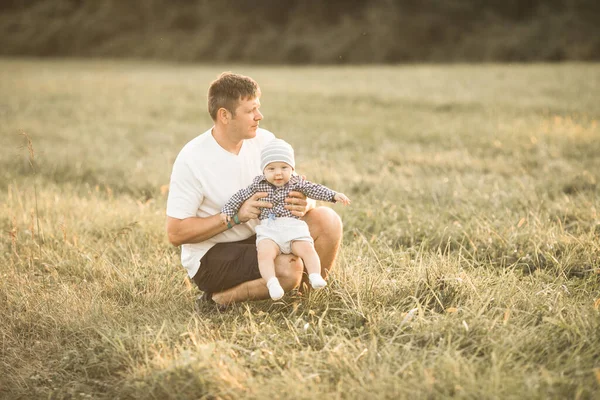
pixel 227 265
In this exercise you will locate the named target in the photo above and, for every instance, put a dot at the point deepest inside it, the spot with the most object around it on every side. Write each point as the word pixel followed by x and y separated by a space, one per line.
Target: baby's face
pixel 278 173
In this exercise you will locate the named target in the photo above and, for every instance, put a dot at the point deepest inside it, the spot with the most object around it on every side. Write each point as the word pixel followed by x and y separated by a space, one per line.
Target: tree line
pixel 304 31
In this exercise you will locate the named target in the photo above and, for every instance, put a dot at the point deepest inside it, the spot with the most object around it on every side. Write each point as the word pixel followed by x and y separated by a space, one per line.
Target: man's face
pixel 247 116
pixel 278 173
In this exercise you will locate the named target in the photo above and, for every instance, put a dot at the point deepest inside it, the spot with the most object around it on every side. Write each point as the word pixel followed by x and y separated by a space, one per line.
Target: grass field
pixel 470 265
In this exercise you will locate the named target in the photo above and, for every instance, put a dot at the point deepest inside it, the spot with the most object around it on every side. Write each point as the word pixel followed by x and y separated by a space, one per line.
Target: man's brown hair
pixel 227 90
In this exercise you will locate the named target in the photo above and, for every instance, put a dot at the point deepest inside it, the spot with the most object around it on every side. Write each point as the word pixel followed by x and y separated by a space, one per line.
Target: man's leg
pixel 326 230
pixel 288 270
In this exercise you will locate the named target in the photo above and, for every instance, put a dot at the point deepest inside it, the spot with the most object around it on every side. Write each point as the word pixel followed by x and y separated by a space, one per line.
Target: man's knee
pixel 324 222
pixel 289 271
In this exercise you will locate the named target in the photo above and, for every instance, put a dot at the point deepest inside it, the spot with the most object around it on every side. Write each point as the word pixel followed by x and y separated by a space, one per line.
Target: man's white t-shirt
pixel 204 177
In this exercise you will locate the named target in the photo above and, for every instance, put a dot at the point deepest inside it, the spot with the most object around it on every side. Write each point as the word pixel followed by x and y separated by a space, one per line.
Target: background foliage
pixel 304 31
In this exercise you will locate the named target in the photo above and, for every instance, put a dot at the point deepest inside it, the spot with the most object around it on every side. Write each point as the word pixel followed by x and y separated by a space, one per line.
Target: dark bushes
pixel 304 31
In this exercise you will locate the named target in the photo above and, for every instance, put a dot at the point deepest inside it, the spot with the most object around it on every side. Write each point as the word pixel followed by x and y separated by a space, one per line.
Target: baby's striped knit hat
pixel 277 150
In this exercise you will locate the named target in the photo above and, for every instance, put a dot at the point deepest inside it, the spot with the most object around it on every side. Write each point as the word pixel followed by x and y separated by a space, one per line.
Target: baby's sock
pixel 275 290
pixel 317 281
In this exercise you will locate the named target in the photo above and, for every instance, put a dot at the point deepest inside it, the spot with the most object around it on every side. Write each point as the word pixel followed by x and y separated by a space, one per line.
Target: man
pixel 221 256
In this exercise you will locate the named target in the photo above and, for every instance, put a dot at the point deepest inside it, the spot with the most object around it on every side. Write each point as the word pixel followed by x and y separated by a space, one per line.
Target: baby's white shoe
pixel 275 290
pixel 317 281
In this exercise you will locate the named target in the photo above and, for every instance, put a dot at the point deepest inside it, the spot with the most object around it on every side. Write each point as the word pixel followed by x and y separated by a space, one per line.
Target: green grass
pixel 470 265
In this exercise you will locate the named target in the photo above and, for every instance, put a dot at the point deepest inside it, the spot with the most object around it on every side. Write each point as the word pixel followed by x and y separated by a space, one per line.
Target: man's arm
pixel 194 229
pixel 199 229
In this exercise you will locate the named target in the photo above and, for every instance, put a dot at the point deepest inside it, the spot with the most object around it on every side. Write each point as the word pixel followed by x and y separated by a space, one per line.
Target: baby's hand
pixel 341 198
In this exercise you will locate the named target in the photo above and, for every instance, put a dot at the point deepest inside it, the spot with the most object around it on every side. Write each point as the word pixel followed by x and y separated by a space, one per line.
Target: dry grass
pixel 470 266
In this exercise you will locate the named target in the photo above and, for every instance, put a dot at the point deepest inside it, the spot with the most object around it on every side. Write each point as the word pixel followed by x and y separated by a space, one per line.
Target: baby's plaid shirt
pixel 276 195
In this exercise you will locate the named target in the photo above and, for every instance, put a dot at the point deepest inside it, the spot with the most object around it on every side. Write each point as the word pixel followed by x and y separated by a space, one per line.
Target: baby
pixel 279 230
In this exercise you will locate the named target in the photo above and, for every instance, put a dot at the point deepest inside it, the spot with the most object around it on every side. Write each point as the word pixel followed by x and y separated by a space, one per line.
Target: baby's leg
pixel 268 250
pixel 306 251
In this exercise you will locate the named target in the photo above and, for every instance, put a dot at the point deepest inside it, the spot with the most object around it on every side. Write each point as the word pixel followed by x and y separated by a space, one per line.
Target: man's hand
pixel 297 204
pixel 251 207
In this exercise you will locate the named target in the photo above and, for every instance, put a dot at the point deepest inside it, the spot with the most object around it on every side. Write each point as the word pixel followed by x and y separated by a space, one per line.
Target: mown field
pixel 470 265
